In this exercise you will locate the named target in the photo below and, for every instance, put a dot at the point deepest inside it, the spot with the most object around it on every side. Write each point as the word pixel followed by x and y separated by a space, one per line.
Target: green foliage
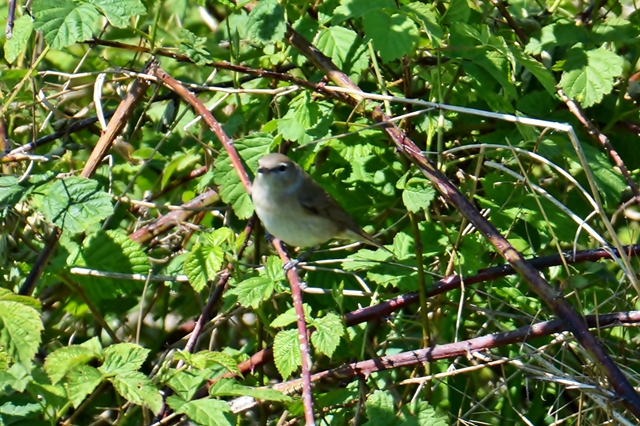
pixel 75 204
pixel 131 266
pixel 20 326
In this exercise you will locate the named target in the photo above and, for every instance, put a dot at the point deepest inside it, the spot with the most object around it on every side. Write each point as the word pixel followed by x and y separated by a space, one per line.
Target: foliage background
pixel 83 349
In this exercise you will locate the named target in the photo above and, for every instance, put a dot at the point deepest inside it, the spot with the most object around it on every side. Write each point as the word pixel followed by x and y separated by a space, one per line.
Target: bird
pixel 294 208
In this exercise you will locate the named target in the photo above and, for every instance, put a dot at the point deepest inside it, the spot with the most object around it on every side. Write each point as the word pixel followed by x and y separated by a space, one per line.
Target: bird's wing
pixel 315 200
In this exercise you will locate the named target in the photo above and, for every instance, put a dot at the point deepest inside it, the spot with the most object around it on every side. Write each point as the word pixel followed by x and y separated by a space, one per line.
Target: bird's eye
pixel 282 168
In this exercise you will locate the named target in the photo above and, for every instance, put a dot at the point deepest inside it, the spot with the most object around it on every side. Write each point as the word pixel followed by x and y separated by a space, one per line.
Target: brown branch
pixel 463 348
pixel 170 220
pixel 119 120
pixel 294 280
pixel 537 284
pixel 223 65
pixel 386 308
pixel 216 294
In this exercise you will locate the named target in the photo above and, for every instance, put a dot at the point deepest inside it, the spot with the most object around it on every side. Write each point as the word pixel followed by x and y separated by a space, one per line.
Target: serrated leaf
pixel 305 119
pixel 609 183
pixel 194 47
pixel 380 409
pixel 20 328
pixel 23 27
pixel 135 387
pixel 230 387
pixel 350 9
pixel 8 295
pixel 392 35
pixel 118 12
pixel 64 22
pixel 250 149
pixel 266 22
pixel 289 316
pixel 253 291
pixel 205 412
pixel 457 12
pixel 588 75
pixel 14 190
pixel 273 268
pixel 123 358
pixel 224 360
pixel 19 407
pixel 186 383
pixel 427 16
pixel 75 204
pixel 111 251
pixel 58 363
pixel 345 48
pixel 286 352
pixel 418 194
pixel 202 264
pixel 329 330
pixel 80 382
pixel 544 76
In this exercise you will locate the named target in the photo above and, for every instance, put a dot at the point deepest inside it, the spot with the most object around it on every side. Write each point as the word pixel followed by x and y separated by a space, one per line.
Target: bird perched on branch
pixel 296 209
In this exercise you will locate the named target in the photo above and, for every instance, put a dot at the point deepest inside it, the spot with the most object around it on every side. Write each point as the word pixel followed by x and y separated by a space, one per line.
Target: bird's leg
pixel 268 237
pixel 294 262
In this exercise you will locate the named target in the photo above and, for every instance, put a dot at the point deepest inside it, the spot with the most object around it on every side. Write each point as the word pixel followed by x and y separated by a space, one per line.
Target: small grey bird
pixel 296 209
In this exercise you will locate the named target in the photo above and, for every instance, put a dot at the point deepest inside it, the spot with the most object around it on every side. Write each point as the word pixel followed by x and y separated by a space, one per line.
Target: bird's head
pixel 279 172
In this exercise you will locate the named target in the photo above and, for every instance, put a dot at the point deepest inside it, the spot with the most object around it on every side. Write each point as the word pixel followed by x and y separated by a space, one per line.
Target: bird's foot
pixel 268 237
pixel 290 265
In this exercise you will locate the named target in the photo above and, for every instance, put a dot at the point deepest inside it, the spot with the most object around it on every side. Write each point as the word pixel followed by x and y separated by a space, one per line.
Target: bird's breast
pixel 284 218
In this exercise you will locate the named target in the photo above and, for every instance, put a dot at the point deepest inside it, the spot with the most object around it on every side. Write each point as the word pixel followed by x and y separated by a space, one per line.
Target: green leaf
pixel 266 22
pixel 202 264
pixel 194 47
pixel 609 183
pixel 253 291
pixel 19 407
pixel 80 382
pixel 23 27
pixel 20 328
pixel 286 352
pixel 380 409
pixel 544 76
pixel 273 269
pixel 427 16
pixel 75 204
pixel 118 12
pixel 306 119
pixel 136 388
pixel 392 35
pixel 350 9
pixel 111 251
pixel 205 412
pixel 123 358
pixel 14 190
pixel 588 75
pixel 230 387
pixel 289 317
pixel 345 48
pixel 58 363
pixel 425 415
pixel 329 330
pixel 251 149
pixel 418 194
pixel 64 22
pixel 457 12
pixel 186 383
